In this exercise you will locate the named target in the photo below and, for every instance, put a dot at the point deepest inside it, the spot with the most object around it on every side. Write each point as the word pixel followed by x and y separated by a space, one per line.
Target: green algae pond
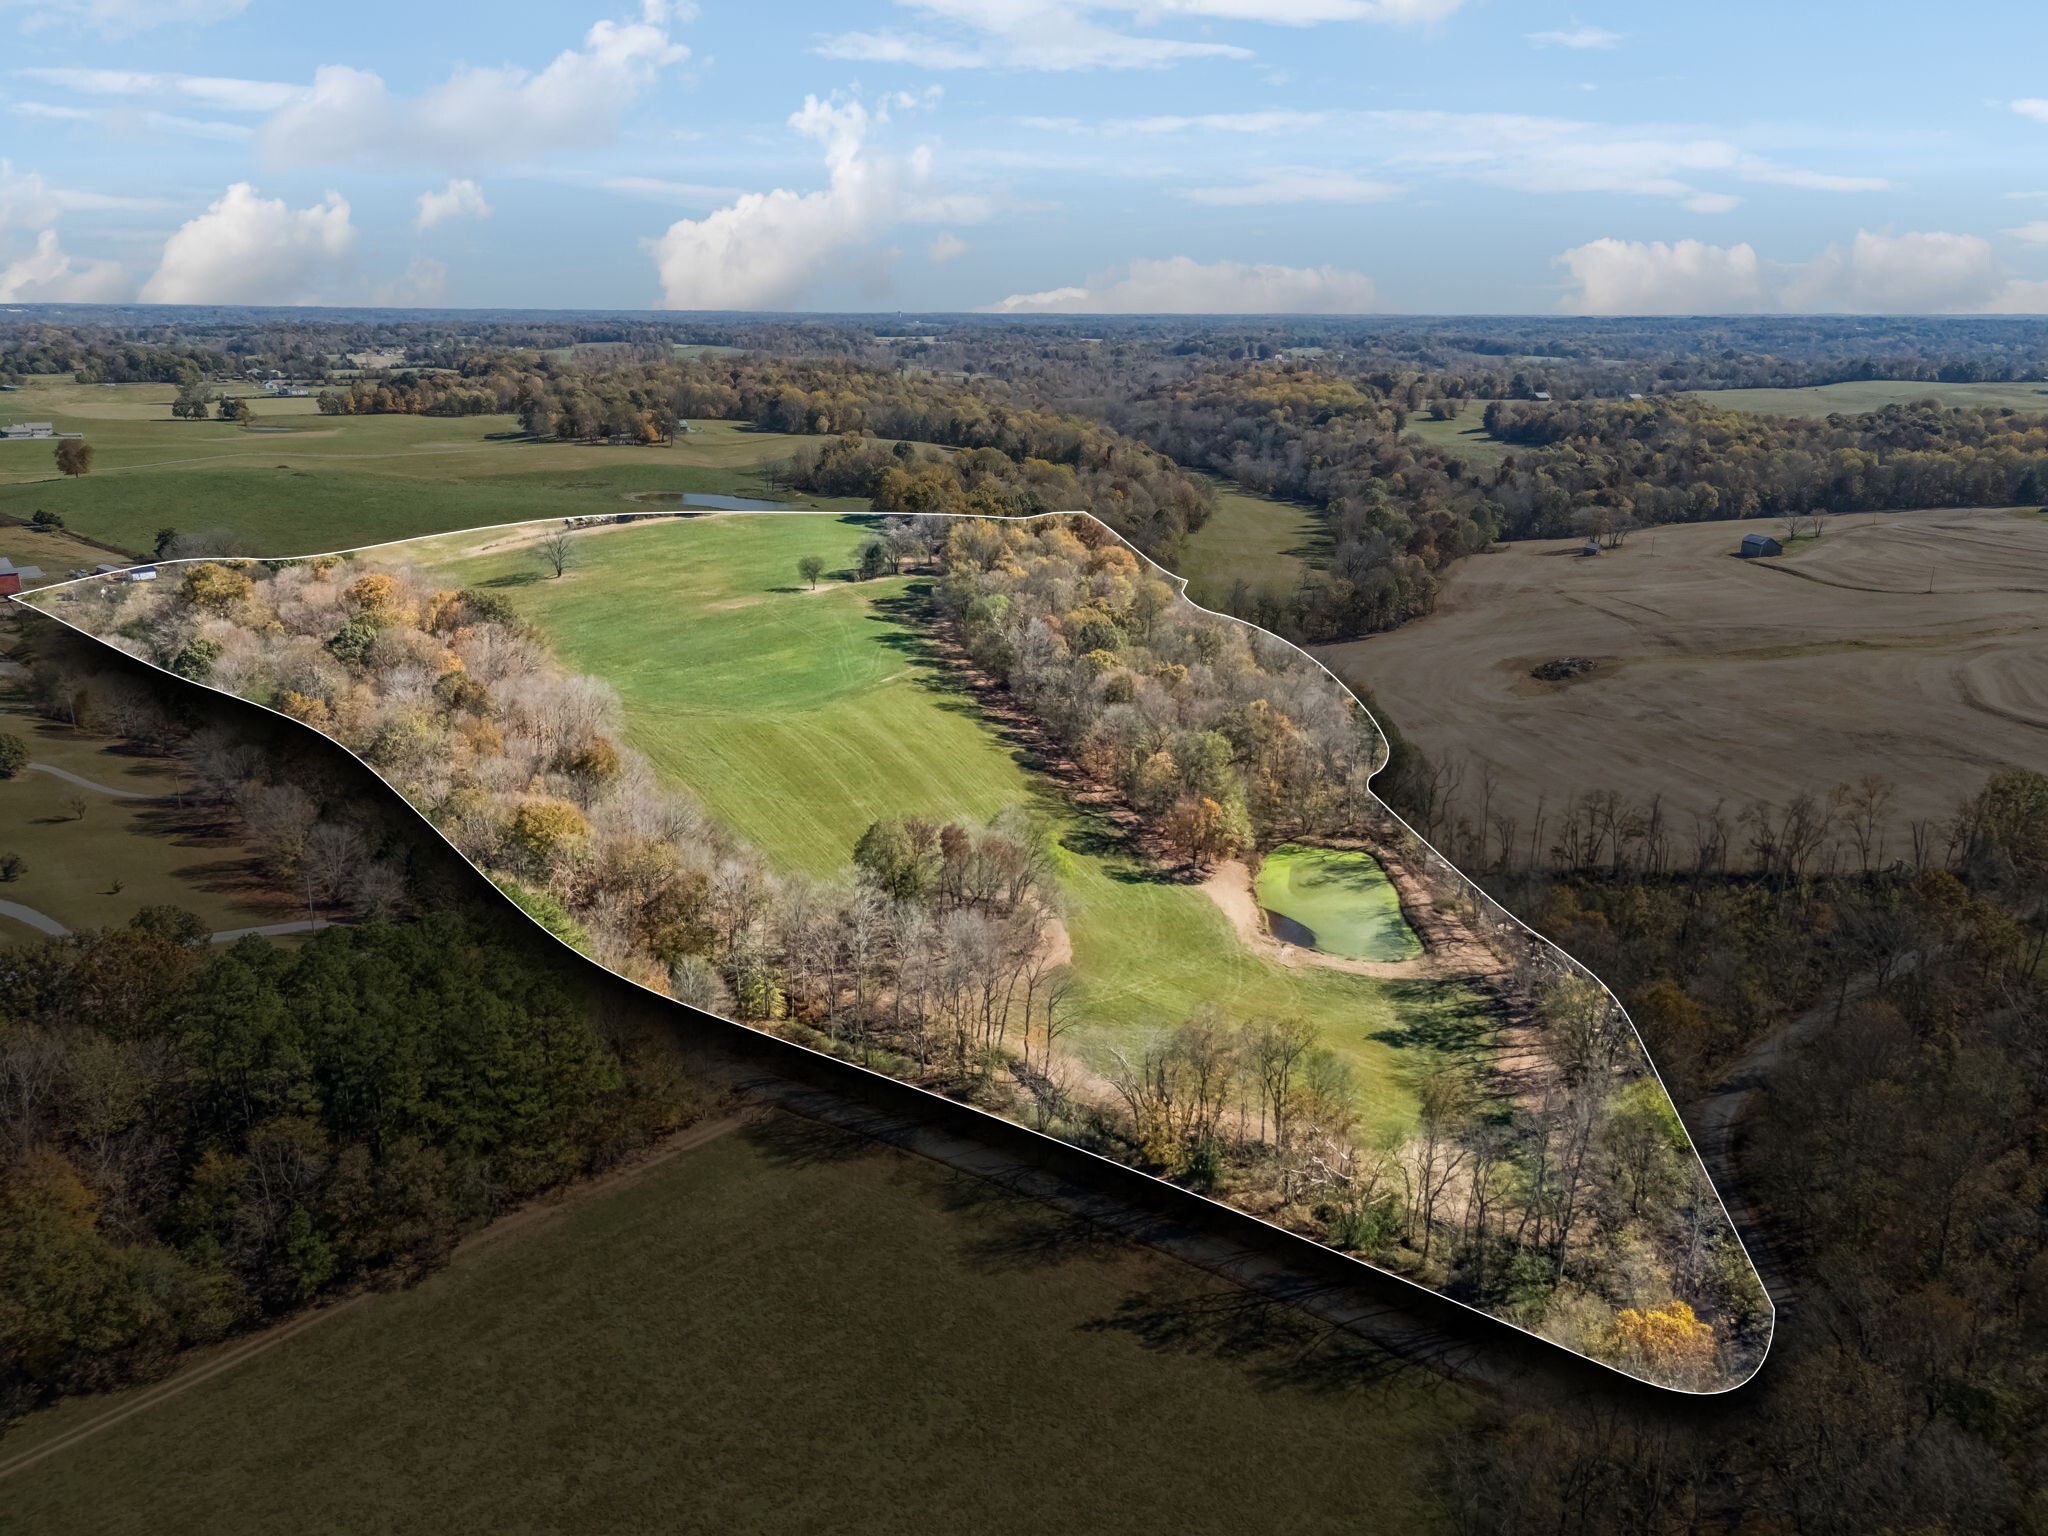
pixel 1336 901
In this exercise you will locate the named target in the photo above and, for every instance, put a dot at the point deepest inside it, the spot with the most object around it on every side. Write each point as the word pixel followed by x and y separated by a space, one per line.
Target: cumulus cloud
pixel 1576 37
pixel 770 248
pixel 2035 107
pixel 476 116
pixel 25 198
pixel 947 247
pixel 1095 34
pixel 2034 232
pixel 1180 285
pixel 47 276
pixel 460 199
pixel 1278 187
pixel 249 249
pixel 1920 272
pixel 1686 277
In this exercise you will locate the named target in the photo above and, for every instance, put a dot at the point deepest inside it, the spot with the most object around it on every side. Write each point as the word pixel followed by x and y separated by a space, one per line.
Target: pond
pixel 1335 901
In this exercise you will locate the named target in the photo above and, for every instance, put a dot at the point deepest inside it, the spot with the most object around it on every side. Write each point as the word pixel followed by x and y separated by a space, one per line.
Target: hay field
pixel 1258 539
pixel 1909 644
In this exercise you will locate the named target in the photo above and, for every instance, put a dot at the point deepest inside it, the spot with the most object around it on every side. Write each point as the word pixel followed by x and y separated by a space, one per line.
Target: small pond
pixel 1336 901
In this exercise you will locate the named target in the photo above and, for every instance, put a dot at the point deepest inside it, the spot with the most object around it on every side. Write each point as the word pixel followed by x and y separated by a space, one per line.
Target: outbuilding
pixel 1756 545
pixel 14 577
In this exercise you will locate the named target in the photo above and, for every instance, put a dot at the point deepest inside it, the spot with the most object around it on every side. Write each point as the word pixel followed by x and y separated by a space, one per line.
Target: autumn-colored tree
pixel 219 589
pixel 545 824
pixel 1669 1341
pixel 74 457
pixel 378 594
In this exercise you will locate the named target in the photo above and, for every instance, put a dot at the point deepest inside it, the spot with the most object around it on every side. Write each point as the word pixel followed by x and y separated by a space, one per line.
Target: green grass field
pixel 1464 437
pixel 1265 542
pixel 336 482
pixel 1873 395
pixel 800 717
pixel 154 851
pixel 725 1344
pixel 1344 900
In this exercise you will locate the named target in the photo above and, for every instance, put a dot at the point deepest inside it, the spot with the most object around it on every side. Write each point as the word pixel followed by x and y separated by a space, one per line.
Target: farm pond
pixel 1336 901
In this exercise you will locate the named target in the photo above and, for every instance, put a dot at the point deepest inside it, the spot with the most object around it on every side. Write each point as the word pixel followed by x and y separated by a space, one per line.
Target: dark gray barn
pixel 1755 544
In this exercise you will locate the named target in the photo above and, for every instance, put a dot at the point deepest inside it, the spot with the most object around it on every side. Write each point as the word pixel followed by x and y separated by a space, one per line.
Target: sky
pixel 1029 156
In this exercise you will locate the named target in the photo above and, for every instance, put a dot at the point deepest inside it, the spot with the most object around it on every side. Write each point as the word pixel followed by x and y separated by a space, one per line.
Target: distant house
pixel 1757 545
pixel 14 577
pixel 22 429
pixel 284 389
pixel 1541 394
pixel 142 573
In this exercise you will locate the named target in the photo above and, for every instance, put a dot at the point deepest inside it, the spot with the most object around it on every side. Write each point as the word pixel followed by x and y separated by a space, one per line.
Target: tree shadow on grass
pixel 512 579
pixel 1280 1346
pixel 791 1141
pixel 1434 1016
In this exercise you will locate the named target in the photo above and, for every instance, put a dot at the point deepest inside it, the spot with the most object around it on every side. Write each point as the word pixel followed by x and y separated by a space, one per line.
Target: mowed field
pixel 783 1329
pixel 801 717
pixel 1265 542
pixel 1860 395
pixel 1913 645
pixel 301 483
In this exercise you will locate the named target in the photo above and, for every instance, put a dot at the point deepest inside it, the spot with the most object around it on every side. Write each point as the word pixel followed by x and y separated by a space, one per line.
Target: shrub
pixel 13 755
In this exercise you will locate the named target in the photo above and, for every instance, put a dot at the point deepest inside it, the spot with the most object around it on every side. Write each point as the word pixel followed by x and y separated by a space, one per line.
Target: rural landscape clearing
pixel 952 823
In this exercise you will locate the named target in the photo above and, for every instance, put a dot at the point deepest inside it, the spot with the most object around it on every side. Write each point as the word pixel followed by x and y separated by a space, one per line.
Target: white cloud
pixel 476 116
pixel 131 123
pixel 769 248
pixel 25 198
pixel 658 190
pixel 460 199
pixel 1181 285
pixel 224 93
pixel 1093 34
pixel 1576 37
pixel 421 286
pixel 248 249
pixel 2035 107
pixel 1914 273
pixel 1713 202
pixel 1687 277
pixel 1276 121
pixel 2034 232
pixel 119 18
pixel 47 276
pixel 948 247
pixel 1278 187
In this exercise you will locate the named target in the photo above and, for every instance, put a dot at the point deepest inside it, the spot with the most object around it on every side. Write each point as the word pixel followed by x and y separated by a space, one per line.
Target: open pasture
pixel 1860 395
pixel 299 481
pixel 1912 645
pixel 1259 540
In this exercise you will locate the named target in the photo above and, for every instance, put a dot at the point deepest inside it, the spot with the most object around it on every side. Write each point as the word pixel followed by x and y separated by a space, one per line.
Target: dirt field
pixel 1912 645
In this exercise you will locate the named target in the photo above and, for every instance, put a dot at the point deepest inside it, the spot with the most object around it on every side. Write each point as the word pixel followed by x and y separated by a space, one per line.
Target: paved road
pixel 42 922
pixel 84 783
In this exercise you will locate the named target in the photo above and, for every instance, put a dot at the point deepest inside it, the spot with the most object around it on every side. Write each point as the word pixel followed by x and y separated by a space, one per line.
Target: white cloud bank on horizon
pixel 769 248
pixel 1180 285
pixel 460 199
pixel 1920 272
pixel 47 276
pixel 249 249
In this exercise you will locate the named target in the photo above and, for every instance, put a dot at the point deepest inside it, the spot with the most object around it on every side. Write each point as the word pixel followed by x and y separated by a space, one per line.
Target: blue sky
pixel 1031 155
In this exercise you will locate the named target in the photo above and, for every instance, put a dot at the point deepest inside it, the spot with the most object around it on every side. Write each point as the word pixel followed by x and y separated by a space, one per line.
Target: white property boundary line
pixel 1180 583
